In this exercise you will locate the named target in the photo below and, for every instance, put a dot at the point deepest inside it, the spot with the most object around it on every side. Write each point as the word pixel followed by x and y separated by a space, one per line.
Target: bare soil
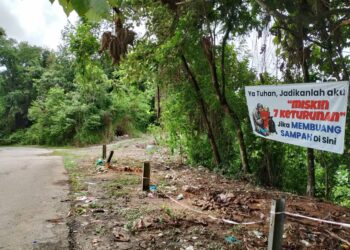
pixel 110 211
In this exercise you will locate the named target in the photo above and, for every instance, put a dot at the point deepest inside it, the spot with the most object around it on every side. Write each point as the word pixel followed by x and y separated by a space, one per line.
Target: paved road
pixel 33 185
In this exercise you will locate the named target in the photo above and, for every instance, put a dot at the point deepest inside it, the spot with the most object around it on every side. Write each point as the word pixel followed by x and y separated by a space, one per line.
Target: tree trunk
pixel 310 189
pixel 204 112
pixel 158 103
pixel 225 105
pixel 327 186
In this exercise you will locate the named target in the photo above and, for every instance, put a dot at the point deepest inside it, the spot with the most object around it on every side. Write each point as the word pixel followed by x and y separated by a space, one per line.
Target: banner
pixel 310 115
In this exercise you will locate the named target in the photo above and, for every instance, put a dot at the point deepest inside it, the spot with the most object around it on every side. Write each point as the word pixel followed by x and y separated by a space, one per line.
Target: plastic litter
pixel 100 162
pixel 180 197
pixel 232 240
pixel 258 234
pixel 153 188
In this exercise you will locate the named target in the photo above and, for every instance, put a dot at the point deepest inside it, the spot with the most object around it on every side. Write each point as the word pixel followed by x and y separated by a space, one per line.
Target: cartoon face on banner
pixel 311 115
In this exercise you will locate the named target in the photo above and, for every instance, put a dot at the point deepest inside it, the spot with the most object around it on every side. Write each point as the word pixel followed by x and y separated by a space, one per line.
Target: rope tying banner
pixel 315 219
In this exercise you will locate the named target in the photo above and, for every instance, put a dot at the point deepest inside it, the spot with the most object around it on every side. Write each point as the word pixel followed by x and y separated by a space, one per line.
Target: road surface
pixel 33 190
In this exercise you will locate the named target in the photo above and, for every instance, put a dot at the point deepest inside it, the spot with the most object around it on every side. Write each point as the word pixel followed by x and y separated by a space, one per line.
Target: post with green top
pixel 146 176
pixel 276 225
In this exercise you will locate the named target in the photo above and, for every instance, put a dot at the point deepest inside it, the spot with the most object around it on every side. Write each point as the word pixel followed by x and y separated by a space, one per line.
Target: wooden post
pixel 108 163
pixel 104 151
pixel 276 224
pixel 146 176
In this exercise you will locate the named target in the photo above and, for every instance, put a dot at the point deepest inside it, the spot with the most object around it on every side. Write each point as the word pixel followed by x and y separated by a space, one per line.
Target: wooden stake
pixel 276 224
pixel 146 176
pixel 104 151
pixel 108 163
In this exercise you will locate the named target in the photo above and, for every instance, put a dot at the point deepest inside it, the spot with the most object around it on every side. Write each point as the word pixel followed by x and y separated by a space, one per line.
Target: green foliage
pixel 60 98
pixel 76 97
pixel 22 65
pixel 341 191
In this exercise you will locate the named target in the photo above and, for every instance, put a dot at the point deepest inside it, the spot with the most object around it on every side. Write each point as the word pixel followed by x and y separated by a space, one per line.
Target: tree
pixel 22 64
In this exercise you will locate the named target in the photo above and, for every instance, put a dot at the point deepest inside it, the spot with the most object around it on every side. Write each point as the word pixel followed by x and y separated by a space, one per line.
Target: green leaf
pixel 52 1
pixel 67 6
pixel 81 6
pixel 98 9
pixel 114 3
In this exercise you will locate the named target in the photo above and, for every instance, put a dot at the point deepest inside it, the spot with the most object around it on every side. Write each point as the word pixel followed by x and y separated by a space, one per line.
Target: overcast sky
pixel 35 21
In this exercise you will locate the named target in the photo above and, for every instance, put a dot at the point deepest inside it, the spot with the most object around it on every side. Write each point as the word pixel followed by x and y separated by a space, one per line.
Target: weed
pixel 132 214
pixel 163 183
pixel 118 193
pixel 124 180
pixel 80 210
pixel 236 228
pixel 70 164
pixel 169 211
pixel 100 230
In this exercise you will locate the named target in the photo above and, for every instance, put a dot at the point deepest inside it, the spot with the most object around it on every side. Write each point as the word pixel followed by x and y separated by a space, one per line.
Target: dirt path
pixel 33 188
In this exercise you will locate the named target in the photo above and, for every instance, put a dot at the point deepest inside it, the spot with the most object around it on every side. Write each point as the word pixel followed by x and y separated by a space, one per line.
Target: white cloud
pixel 37 22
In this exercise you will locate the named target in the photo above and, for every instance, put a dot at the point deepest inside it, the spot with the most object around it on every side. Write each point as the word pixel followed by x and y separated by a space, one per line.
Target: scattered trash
pixel 306 243
pixel 150 147
pixel 153 188
pixel 150 195
pixel 95 241
pixel 169 177
pixel 81 198
pixel 180 197
pixel 258 234
pixel 225 197
pixel 142 223
pixel 86 199
pixel 90 183
pixel 232 240
pixel 201 168
pixel 84 224
pixel 120 235
pixel 190 189
pixel 189 248
pixel 100 162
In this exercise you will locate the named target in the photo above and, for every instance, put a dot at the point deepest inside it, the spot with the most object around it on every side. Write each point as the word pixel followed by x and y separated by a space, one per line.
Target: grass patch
pixel 118 193
pixel 70 162
pixel 119 187
pixel 125 180
pixel 133 214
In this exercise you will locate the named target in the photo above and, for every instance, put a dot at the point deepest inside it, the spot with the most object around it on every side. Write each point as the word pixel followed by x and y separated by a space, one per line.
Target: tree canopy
pixel 182 80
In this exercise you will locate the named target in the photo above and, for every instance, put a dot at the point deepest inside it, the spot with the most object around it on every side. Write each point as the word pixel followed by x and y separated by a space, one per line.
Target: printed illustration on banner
pixel 310 115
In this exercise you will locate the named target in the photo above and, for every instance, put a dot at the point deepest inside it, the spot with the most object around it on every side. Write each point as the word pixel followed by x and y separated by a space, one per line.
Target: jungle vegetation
pixel 182 80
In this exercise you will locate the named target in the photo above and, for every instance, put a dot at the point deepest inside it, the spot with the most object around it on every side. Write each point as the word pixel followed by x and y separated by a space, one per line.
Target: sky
pixel 36 21
pixel 40 23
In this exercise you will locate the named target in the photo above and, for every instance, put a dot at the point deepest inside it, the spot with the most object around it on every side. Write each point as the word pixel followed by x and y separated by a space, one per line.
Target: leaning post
pixel 108 163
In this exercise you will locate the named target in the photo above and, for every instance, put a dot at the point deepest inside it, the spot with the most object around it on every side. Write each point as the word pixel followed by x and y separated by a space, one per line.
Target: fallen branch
pixel 337 237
